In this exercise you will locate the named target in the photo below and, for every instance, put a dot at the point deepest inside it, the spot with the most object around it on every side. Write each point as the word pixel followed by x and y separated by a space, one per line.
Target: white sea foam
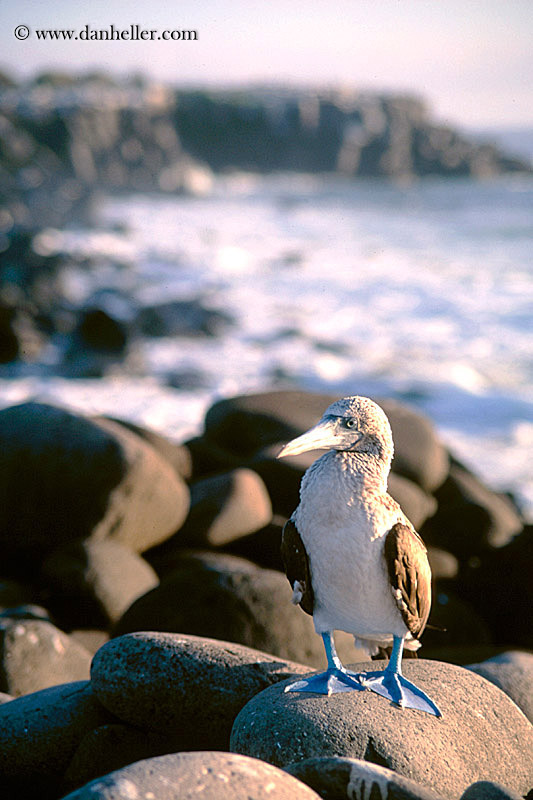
pixel 422 292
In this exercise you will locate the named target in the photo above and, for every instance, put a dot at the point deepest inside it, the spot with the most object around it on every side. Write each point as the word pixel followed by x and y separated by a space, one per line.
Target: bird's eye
pixel 350 423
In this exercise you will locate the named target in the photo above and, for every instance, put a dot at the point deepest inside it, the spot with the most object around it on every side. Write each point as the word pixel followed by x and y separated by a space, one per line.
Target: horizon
pixel 470 62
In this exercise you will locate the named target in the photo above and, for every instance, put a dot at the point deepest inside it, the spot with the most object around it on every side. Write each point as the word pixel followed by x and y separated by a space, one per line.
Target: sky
pixel 471 60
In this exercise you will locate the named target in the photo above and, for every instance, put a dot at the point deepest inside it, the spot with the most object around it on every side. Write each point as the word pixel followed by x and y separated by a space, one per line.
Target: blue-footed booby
pixel 353 559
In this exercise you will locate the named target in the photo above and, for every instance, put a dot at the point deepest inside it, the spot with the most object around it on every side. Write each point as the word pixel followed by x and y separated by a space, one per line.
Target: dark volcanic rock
pixel 39 734
pixel 182 318
pixel 229 598
pixel 80 478
pixel 110 747
pixel 92 583
pixel 488 790
pixel 336 778
pixel 187 687
pixel 512 672
pixel 35 655
pixel 210 775
pixel 471 517
pixel 445 755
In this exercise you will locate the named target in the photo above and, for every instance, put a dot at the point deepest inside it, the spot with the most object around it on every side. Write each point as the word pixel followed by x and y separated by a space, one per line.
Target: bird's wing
pixel 410 576
pixel 296 564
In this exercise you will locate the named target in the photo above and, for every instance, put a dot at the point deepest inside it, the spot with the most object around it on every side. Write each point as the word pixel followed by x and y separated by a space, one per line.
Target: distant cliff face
pixel 353 134
pixel 59 144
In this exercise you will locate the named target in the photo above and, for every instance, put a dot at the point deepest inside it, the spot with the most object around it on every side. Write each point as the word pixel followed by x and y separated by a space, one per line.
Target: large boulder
pixel 65 477
pixel 93 582
pixel 245 424
pixel 481 735
pixel 189 688
pixel 226 597
pixel 39 734
pixel 187 776
pixel 512 672
pixel 471 518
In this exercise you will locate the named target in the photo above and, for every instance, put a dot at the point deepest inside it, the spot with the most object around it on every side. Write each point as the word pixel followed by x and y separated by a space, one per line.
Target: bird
pixel 353 559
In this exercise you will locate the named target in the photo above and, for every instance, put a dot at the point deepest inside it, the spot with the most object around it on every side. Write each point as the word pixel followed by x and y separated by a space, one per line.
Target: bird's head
pixel 353 424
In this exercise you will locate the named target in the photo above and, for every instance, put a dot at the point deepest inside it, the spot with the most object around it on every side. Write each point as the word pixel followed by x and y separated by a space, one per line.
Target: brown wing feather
pixel 410 576
pixel 297 564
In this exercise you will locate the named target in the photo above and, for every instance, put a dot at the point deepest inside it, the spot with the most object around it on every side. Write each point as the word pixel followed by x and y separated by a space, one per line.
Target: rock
pixel 182 318
pixel 443 564
pixel 80 478
pixel 27 611
pixel 208 459
pixel 185 686
pixel 9 343
pixel 90 638
pixel 177 455
pixel 229 598
pixel 497 584
pixel 39 734
pixel 210 775
pixel 92 583
pixel 416 504
pixel 470 517
pixel 223 508
pixel 99 330
pixel 5 698
pixel 453 622
pixel 336 778
pixel 110 747
pixel 245 424
pixel 13 593
pixel 262 547
pixel 35 655
pixel 418 453
pixel 445 755
pixel 512 672
pixel 488 790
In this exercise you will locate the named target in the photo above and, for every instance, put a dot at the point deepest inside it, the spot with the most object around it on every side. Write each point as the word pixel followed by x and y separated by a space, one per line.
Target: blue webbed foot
pixel 399 690
pixel 329 682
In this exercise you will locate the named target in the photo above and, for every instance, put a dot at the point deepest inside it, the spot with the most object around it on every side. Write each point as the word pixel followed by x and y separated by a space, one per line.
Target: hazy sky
pixel 471 59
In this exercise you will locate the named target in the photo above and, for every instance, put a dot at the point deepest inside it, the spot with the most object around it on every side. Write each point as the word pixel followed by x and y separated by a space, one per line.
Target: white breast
pixel 343 523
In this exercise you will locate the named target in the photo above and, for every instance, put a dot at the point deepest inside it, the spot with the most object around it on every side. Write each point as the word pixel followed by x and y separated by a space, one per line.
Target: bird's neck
pixel 367 471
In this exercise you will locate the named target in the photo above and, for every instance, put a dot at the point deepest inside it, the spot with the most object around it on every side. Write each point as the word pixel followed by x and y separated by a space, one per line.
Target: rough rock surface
pixel 188 687
pixel 39 734
pixel 187 776
pixel 283 727
pixel 80 478
pixel 92 583
pixel 225 597
pixel 35 655
pixel 488 790
pixel 336 778
pixel 512 672
pixel 111 747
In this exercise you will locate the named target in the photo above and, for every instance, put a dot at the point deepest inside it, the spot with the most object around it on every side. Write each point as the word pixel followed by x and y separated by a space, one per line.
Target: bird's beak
pixel 322 437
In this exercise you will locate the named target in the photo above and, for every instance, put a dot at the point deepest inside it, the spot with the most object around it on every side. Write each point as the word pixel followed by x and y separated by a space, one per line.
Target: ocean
pixel 422 292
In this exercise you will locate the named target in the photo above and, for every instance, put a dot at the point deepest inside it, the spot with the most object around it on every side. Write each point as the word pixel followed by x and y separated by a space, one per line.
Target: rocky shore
pixel 146 628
